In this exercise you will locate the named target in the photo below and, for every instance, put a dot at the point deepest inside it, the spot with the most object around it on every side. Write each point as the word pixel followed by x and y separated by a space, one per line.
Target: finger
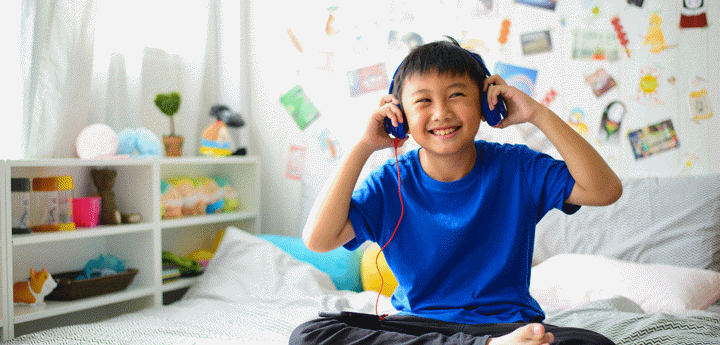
pixel 496 79
pixel 388 99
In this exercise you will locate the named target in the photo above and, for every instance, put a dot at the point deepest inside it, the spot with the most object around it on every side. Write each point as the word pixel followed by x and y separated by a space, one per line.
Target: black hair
pixel 442 57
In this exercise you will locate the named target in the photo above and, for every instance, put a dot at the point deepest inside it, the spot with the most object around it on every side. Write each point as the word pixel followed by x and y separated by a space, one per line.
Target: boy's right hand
pixel 375 137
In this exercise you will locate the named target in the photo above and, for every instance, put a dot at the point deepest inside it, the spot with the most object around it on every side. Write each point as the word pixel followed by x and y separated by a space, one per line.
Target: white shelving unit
pixel 137 190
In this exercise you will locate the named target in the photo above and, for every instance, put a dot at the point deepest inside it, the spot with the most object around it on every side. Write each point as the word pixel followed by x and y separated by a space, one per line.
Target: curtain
pixel 91 62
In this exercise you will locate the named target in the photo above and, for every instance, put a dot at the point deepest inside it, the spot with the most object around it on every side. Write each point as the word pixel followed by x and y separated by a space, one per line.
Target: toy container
pixel 65 206
pixel 20 189
pixel 86 211
pixel 44 204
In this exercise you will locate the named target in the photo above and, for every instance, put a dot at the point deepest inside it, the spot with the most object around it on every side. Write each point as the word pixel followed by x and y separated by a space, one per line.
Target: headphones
pixel 492 117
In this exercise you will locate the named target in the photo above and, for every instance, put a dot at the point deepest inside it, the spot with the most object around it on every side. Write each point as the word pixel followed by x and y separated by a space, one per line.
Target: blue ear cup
pixel 493 117
pixel 399 132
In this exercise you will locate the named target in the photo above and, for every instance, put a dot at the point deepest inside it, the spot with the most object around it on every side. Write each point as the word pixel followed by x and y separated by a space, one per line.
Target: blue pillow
pixel 342 265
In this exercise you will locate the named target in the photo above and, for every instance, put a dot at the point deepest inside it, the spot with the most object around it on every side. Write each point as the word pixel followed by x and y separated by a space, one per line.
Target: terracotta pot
pixel 173 145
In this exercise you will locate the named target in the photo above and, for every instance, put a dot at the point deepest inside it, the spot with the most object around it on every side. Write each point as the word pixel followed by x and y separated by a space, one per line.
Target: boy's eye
pixel 422 100
pixel 457 94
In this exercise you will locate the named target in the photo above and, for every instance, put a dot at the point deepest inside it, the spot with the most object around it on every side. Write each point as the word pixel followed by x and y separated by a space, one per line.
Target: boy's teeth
pixel 444 131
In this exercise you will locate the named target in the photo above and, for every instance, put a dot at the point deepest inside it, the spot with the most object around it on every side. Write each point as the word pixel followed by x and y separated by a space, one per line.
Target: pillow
pixel 370 275
pixel 570 280
pixel 342 265
pixel 665 220
pixel 247 268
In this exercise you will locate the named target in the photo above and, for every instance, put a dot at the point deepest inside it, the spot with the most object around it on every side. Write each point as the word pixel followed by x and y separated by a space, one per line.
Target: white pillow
pixel 569 280
pixel 246 268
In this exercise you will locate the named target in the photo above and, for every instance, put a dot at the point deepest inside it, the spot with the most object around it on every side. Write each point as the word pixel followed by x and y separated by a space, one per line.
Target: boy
pixel 463 250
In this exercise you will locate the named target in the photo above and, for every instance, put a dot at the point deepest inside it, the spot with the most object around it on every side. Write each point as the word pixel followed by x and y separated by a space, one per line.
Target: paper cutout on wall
pixel 533 137
pixel 648 86
pixel 549 97
pixel 576 120
pixel 406 43
pixel 700 107
pixel 536 42
pixel 611 121
pixel 520 77
pixel 548 4
pixel 621 34
pixel 600 82
pixel 595 45
pixel 692 14
pixel 329 29
pixel 295 162
pixel 653 139
pixel 367 79
pixel 637 3
pixel 299 107
pixel 691 158
pixel 655 37
pixel 329 144
pixel 294 41
pixel 504 31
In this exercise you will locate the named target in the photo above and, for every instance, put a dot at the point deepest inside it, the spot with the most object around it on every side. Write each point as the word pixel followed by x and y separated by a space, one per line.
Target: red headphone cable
pixel 402 211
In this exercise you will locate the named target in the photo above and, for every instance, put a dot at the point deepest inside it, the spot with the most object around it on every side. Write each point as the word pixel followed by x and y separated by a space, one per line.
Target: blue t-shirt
pixel 463 250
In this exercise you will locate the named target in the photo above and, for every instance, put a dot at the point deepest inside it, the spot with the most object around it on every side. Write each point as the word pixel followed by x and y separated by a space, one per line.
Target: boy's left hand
pixel 521 108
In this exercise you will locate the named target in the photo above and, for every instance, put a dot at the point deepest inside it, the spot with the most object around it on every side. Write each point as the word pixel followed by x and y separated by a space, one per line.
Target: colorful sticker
pixel 294 41
pixel 299 107
pixel 595 45
pixel 536 42
pixel 637 3
pixel 548 4
pixel 700 107
pixel 648 86
pixel 653 139
pixel 549 98
pixel 621 34
pixel 692 14
pixel 600 82
pixel 329 144
pixel 295 163
pixel 576 120
pixel 504 31
pixel 520 77
pixel 367 79
pixel 611 121
pixel 655 38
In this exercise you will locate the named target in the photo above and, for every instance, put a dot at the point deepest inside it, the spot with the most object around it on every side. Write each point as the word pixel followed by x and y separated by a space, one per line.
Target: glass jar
pixel 20 189
pixel 65 208
pixel 44 204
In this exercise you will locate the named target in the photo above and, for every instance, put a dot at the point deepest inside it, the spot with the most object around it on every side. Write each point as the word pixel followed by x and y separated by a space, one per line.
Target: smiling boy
pixel 462 253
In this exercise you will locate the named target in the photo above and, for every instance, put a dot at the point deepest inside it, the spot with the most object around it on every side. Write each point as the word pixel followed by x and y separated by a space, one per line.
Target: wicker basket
pixel 69 289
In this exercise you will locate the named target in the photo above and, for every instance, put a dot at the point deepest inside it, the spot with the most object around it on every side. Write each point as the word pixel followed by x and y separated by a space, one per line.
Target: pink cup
pixel 86 211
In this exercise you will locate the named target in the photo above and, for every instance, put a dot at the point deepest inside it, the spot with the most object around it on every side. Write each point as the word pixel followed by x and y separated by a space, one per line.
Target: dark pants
pixel 404 329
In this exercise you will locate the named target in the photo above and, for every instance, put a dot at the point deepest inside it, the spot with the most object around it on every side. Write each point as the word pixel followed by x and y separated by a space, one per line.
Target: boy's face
pixel 443 111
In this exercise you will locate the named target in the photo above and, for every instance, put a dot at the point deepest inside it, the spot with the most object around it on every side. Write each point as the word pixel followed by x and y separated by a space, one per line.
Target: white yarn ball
pixel 95 141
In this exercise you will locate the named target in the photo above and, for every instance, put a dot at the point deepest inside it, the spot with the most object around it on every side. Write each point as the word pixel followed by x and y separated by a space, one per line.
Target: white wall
pixel 276 66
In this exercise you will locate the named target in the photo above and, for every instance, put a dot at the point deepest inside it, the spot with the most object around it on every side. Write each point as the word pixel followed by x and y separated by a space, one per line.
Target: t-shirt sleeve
pixel 366 209
pixel 549 181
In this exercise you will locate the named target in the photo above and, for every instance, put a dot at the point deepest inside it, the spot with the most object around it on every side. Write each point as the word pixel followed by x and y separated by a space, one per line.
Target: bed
pixel 641 271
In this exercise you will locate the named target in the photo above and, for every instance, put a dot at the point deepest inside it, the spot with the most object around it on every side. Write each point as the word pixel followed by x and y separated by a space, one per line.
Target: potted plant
pixel 169 103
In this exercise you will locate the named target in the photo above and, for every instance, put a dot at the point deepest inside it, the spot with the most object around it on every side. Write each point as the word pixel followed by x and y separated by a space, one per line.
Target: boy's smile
pixel 443 114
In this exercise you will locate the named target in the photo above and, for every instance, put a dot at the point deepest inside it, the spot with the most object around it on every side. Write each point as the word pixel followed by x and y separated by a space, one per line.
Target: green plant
pixel 169 103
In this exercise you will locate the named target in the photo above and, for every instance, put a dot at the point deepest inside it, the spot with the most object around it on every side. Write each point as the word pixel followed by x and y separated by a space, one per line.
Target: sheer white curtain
pixel 86 62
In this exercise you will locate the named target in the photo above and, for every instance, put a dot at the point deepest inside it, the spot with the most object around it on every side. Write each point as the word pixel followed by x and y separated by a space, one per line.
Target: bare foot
pixel 532 334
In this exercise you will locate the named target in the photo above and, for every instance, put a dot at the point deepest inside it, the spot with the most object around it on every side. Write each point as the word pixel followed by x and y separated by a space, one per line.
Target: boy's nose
pixel 441 112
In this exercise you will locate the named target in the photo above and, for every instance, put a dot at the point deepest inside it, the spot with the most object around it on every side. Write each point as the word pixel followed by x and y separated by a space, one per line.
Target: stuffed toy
pixel 193 204
pixel 33 291
pixel 215 141
pixel 138 142
pixel 171 201
pixel 232 202
pixel 104 181
pixel 211 193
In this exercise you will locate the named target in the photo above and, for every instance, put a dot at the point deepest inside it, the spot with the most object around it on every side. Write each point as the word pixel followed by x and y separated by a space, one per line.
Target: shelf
pixel 178 284
pixel 24 313
pixel 209 218
pixel 70 162
pixel 208 160
pixel 99 231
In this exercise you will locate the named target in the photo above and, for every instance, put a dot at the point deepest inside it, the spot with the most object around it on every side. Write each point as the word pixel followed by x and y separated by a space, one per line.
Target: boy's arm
pixel 595 182
pixel 328 225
